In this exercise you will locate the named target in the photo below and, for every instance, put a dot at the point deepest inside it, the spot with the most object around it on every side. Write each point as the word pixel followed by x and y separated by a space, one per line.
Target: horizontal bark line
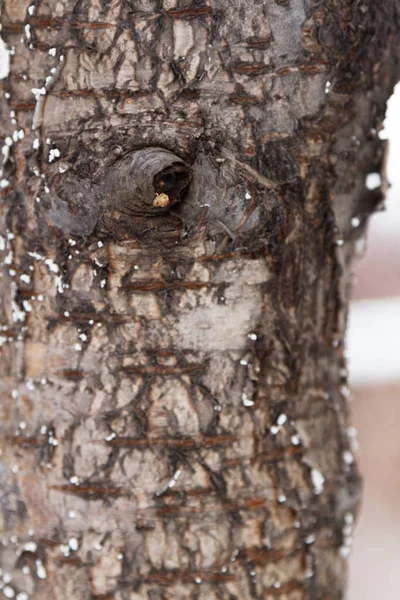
pixel 54 23
pixel 199 442
pixel 50 22
pixel 189 11
pixel 162 370
pixel 181 442
pixel 170 577
pixel 155 286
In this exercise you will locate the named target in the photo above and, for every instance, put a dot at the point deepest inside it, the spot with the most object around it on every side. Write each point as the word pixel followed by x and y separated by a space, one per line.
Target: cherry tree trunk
pixel 183 193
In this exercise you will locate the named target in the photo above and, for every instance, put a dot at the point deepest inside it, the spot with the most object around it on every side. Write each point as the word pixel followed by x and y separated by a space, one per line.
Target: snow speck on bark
pixel 4 60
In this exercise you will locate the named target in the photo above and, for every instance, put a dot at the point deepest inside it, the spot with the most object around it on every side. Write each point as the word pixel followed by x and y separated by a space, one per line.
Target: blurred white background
pixel 374 360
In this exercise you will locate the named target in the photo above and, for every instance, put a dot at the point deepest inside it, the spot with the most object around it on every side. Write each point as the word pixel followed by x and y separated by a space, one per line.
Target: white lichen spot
pixel 31 10
pixel 4 60
pixel 310 539
pixel 18 315
pixel 8 591
pixel 373 181
pixel 110 437
pixel 100 244
pixel 27 306
pixel 40 570
pixel 74 480
pixel 327 87
pixel 246 401
pixel 247 196
pixel 73 544
pixel 77 347
pixel 4 183
pixel 52 265
pixel 30 547
pixel 295 439
pixel 282 498
pixel 198 580
pixel 175 478
pixel 36 255
pixel 53 154
pixel 52 440
pixel 339 242
pixel 360 245
pixel 352 437
pixel 345 391
pixel 37 92
pixel 22 596
pixel 103 283
pixel 252 336
pixel 355 222
pixel 318 481
pixel 72 514
pixel 281 420
pixel 25 278
pixel 349 523
pixel 22 425
pixel 43 429
pixel 348 457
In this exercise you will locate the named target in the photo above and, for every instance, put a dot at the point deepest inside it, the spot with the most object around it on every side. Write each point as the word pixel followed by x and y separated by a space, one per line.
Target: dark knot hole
pixel 173 181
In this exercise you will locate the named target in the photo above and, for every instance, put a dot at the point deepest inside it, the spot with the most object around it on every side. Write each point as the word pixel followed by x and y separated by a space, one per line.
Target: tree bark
pixel 183 195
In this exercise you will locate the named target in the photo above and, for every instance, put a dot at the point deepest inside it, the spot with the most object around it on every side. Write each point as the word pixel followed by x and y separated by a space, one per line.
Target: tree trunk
pixel 183 194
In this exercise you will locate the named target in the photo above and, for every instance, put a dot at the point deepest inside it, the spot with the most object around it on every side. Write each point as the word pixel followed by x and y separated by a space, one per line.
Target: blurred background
pixel 373 345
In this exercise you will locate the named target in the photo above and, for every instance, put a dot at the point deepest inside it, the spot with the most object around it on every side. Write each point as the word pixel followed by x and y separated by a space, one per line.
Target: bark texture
pixel 183 194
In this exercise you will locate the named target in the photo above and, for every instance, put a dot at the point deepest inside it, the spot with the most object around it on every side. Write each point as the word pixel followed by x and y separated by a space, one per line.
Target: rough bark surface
pixel 183 194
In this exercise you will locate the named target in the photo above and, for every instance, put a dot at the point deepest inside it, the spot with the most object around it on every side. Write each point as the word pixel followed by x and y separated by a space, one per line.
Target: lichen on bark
pixel 174 388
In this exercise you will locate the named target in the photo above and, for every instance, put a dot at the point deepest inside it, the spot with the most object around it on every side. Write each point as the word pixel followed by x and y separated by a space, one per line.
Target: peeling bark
pixel 183 196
